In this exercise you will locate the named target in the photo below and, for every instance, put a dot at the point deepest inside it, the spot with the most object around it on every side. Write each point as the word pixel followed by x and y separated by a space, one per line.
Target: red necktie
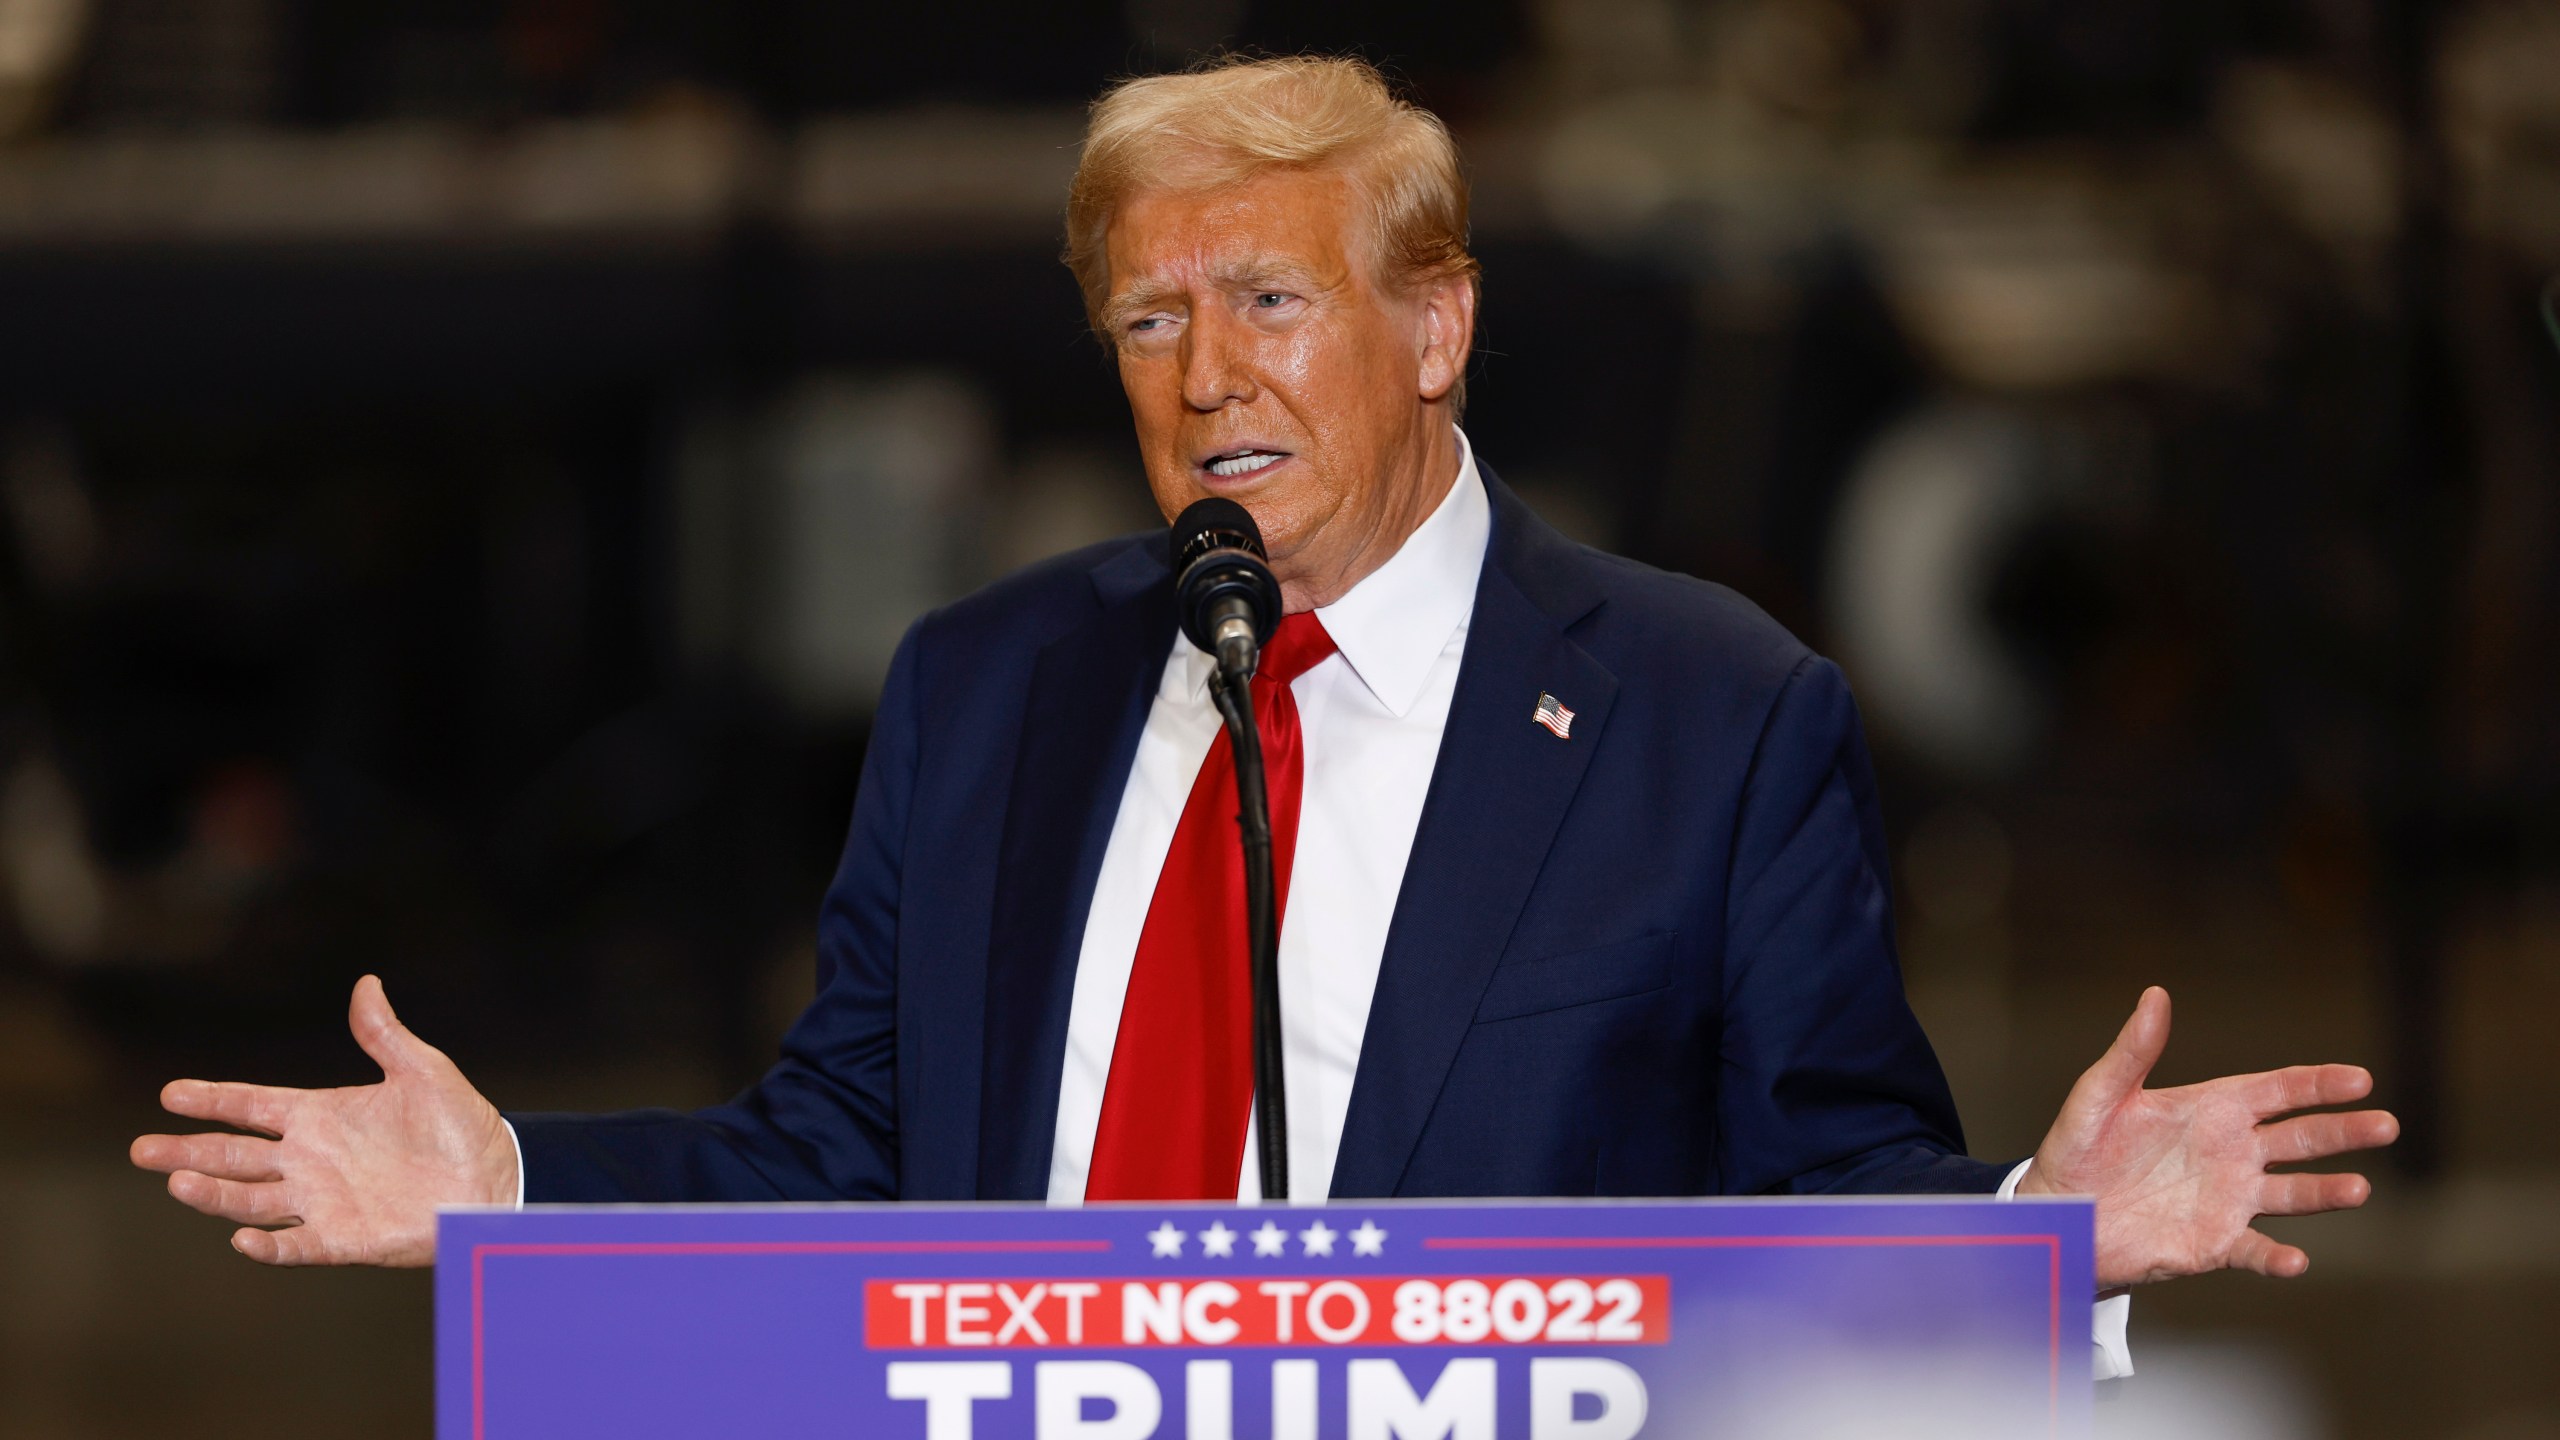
pixel 1181 1086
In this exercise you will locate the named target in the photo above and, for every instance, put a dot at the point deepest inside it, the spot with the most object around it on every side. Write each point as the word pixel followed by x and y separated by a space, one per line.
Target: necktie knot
pixel 1298 646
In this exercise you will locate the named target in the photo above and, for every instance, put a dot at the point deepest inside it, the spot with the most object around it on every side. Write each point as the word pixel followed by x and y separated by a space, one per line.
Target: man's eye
pixel 1270 300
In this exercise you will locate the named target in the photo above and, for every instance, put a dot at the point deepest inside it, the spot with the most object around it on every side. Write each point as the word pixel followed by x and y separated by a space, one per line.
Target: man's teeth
pixel 1244 464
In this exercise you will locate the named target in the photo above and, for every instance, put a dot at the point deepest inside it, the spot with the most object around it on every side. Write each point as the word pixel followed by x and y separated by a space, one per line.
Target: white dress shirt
pixel 1369 719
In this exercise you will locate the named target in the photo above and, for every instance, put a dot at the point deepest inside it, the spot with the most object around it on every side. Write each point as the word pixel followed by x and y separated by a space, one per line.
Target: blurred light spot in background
pixel 1060 497
pixel 2036 277
pixel 38 41
pixel 1915 550
pixel 877 489
pixel 812 531
pixel 49 504
pixel 55 885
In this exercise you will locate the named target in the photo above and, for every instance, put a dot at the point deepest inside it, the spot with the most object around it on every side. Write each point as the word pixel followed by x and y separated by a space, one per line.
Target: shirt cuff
pixel 2009 1188
pixel 2107 1318
pixel 2113 1357
pixel 520 1167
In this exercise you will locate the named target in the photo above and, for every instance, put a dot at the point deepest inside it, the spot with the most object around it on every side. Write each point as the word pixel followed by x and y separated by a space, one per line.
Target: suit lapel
pixel 1499 791
pixel 1087 705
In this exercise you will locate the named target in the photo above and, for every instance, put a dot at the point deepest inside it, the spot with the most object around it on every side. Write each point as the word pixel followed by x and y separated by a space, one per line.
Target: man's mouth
pixel 1243 462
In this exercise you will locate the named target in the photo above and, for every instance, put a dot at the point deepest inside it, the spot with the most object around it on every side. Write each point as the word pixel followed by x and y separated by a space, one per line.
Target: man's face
pixel 1265 363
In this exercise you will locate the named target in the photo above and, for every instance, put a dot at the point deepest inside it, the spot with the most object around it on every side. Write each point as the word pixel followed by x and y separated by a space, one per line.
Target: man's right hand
pixel 351 1176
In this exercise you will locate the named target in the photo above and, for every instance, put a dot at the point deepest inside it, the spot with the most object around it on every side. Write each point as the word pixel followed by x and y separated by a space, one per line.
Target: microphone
pixel 1228 600
pixel 1230 604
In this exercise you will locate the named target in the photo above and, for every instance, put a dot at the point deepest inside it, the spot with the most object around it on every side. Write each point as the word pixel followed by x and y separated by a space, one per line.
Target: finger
pixel 293 1245
pixel 231 1199
pixel 251 1107
pixel 2312 1194
pixel 380 1032
pixel 2256 1252
pixel 2303 1087
pixel 2317 1137
pixel 225 1157
pixel 2137 1048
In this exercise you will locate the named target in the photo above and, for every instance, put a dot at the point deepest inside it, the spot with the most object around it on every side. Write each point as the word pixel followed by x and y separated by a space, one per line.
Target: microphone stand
pixel 1234 698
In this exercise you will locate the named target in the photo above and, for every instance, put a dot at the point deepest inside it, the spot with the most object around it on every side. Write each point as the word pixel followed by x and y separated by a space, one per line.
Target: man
pixel 1585 887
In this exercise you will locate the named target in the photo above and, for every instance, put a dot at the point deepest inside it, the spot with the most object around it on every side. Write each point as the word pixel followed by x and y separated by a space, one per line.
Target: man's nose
pixel 1215 372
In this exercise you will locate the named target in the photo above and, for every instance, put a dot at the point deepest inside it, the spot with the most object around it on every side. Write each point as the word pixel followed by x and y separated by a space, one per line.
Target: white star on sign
pixel 1368 1239
pixel 1217 1242
pixel 1166 1239
pixel 1270 1240
pixel 1318 1238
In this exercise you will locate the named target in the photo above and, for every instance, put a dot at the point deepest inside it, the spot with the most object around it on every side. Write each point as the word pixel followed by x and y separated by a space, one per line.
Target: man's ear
pixel 1448 323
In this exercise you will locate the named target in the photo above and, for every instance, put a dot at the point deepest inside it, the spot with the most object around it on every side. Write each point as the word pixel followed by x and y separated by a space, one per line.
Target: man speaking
pixel 1583 886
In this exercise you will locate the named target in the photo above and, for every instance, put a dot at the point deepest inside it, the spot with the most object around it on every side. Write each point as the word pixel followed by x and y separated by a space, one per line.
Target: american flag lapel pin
pixel 1552 713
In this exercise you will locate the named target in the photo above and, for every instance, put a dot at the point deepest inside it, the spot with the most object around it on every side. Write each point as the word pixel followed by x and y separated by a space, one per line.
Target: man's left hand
pixel 2180 1175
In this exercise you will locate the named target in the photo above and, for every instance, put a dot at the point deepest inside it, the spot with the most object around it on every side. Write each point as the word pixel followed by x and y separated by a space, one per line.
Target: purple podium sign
pixel 1419 1321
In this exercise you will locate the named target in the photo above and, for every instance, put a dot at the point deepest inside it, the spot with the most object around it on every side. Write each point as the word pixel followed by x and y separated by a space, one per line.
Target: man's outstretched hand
pixel 2180 1175
pixel 352 1176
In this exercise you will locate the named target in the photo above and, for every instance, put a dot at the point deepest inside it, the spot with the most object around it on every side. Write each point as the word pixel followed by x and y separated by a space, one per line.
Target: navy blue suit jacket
pixel 1653 959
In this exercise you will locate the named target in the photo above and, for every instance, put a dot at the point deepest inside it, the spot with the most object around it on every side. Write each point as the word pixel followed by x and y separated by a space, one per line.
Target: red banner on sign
pixel 1310 1311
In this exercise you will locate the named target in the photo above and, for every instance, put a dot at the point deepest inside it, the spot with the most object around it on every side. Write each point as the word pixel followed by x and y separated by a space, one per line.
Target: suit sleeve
pixel 1826 1082
pixel 823 1122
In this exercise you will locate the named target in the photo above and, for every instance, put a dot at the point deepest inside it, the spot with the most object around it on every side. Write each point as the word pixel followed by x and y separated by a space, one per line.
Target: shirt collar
pixel 1392 626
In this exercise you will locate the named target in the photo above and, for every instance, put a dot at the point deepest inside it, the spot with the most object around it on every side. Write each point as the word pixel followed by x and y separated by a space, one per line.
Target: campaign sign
pixel 1354 1321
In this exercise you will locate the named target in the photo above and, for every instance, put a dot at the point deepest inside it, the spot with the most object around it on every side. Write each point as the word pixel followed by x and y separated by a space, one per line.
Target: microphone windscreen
pixel 1214 523
pixel 1219 572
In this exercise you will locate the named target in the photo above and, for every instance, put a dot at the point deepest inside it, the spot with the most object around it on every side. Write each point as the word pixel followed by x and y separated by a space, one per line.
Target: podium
pixel 1351 1321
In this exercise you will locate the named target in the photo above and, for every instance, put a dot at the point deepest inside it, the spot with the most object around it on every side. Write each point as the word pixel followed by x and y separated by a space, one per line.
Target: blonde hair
pixel 1235 117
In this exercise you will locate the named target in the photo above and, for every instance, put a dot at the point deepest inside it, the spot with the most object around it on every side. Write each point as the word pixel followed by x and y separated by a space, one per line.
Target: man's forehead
pixel 1279 223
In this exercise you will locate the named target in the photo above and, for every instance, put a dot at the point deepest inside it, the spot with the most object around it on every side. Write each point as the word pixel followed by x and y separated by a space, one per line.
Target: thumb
pixel 380 1032
pixel 2127 1063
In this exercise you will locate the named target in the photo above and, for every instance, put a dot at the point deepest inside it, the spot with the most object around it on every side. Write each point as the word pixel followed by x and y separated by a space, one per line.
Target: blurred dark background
pixel 463 467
